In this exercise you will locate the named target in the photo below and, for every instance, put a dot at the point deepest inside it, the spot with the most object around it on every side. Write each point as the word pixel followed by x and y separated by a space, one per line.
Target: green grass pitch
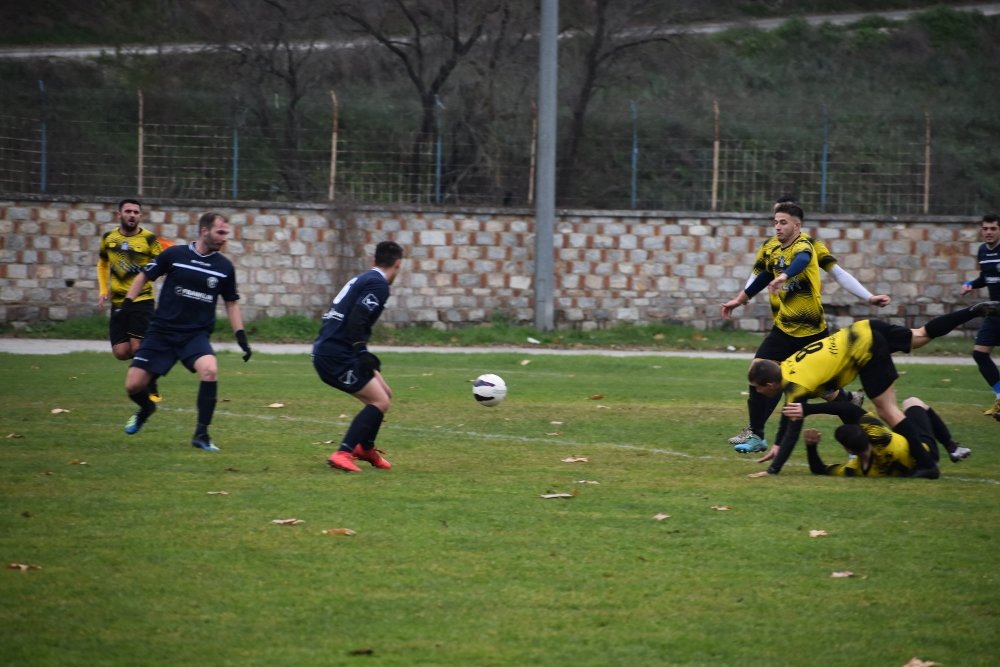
pixel 139 559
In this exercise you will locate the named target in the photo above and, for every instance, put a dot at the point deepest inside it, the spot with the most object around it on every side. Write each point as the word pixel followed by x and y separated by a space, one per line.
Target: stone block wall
pixel 469 266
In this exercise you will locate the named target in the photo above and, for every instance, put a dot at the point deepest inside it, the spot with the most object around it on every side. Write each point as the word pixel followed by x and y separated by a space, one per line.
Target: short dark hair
pixel 387 253
pixel 129 201
pixel 791 209
pixel 852 437
pixel 786 199
pixel 764 371
pixel 208 219
pixel 992 217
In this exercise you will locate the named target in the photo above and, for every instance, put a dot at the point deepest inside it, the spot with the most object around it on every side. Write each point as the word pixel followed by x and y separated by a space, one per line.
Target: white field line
pixel 478 435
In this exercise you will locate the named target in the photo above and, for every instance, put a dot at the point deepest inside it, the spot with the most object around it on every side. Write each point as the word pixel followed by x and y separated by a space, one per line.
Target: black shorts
pixel 343 373
pixel 778 346
pixel 880 372
pixel 132 324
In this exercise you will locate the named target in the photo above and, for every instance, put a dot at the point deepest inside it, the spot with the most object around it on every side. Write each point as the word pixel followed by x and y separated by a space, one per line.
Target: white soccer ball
pixel 489 390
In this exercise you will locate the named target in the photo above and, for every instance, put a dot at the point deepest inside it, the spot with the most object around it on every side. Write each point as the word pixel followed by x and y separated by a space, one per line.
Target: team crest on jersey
pixel 125 245
pixel 212 282
pixel 370 301
pixel 348 378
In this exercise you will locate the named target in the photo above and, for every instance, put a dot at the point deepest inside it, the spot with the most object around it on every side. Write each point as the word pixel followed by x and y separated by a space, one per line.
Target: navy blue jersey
pixel 191 289
pixel 347 325
pixel 989 270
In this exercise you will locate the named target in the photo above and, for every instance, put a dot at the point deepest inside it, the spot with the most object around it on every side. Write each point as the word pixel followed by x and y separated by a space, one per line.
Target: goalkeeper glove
pixel 241 338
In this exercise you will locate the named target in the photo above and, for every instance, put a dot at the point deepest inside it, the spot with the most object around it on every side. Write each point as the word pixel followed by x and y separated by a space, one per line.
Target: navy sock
pixel 760 408
pixel 208 393
pixel 987 368
pixel 363 430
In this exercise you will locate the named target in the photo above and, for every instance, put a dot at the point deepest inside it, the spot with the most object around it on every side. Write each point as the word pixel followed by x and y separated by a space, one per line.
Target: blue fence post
pixel 824 160
pixel 44 132
pixel 635 152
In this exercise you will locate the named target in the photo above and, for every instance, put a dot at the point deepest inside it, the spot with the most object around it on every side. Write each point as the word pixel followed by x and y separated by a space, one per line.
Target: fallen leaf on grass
pixel 23 567
pixel 817 533
pixel 554 433
pixel 658 336
pixel 58 411
pixel 534 341
pixel 557 423
pixel 525 362
pixel 917 662
pixel 287 522
pixel 596 397
pixel 77 462
pixel 603 407
pixel 14 435
pixel 276 405
pixel 721 508
pixel 576 459
pixel 218 493
pixel 343 416
pixel 586 481
pixel 550 496
pixel 661 516
pixel 842 574
pixel 338 531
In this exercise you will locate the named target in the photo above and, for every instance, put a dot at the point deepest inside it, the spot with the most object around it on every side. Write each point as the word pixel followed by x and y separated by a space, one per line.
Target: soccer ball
pixel 489 390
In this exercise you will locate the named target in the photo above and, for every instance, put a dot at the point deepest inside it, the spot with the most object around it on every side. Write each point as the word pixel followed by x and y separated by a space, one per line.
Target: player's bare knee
pixel 913 401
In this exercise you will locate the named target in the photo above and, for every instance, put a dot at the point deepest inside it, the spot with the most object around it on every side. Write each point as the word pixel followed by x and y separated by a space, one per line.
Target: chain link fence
pixel 624 164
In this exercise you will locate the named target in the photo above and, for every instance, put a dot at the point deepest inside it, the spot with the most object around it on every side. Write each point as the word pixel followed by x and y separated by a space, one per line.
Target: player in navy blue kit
pixel 988 336
pixel 342 360
pixel 197 274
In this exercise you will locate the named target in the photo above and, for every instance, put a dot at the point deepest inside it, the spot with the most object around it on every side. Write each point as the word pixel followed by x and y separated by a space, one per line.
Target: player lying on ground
pixel 877 451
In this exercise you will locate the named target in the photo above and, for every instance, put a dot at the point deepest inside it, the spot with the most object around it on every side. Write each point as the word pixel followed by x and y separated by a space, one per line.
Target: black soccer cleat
pixel 986 309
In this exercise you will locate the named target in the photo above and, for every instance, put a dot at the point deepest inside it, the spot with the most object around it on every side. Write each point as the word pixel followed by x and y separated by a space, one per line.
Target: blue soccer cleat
pixel 754 443
pixel 204 443
pixel 136 421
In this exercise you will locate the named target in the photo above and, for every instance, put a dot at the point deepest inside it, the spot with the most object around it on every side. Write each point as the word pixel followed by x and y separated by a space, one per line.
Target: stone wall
pixel 468 266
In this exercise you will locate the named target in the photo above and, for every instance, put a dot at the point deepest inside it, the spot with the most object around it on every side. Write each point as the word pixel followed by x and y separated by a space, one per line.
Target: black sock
pixel 948 322
pixel 207 396
pixel 363 430
pixel 760 408
pixel 941 431
pixel 141 398
pixel 153 388
pixel 920 455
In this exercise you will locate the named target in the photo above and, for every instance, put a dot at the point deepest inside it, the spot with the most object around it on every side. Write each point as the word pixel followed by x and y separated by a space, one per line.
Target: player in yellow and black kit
pixel 789 265
pixel 124 251
pixel 877 451
pixel 863 350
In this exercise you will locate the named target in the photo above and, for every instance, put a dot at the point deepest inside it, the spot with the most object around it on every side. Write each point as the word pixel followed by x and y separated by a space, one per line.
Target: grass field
pixel 457 560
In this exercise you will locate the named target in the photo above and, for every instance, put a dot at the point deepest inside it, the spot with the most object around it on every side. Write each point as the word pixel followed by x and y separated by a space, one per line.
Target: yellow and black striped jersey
pixel 122 257
pixel 797 308
pixel 890 453
pixel 827 364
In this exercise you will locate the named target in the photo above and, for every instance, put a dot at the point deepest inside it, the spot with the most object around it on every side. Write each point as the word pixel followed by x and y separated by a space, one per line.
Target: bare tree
pixel 603 31
pixel 430 39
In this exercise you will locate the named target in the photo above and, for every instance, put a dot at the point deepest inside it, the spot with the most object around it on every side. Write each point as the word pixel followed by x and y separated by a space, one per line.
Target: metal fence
pixel 630 167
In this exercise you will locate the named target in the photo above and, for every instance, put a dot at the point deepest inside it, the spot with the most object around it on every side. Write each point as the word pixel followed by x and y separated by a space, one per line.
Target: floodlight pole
pixel 546 175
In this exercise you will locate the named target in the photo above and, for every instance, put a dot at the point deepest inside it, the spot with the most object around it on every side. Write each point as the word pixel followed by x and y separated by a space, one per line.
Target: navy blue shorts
pixel 133 324
pixel 344 373
pixel 989 332
pixel 160 350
